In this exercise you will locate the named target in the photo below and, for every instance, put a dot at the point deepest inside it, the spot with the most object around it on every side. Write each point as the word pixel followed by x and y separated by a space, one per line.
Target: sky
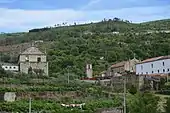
pixel 22 15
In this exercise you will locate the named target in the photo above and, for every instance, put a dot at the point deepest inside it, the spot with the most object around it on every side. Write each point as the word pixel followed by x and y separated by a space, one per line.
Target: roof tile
pixel 32 51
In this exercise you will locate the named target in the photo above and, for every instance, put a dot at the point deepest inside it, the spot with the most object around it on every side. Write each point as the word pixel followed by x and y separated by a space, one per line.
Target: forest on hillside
pixel 74 46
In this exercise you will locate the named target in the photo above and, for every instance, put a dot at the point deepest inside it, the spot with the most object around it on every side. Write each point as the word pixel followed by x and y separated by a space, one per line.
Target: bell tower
pixel 89 71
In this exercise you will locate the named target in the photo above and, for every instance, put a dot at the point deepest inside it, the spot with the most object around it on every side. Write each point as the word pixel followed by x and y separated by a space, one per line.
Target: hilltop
pixel 104 27
pixel 76 45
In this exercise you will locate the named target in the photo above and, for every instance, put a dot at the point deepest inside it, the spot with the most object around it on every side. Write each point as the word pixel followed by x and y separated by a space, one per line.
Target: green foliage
pixel 143 103
pixel 133 90
pixel 54 107
pixel 167 107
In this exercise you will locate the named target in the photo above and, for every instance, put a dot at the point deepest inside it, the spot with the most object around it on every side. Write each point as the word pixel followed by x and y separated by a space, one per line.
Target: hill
pixel 80 44
pixel 157 25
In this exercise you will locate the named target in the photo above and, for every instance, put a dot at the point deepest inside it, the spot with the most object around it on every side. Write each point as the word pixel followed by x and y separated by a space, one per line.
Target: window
pixel 163 70
pixel 158 71
pixel 10 67
pixel 14 67
pixel 168 70
pixel 141 67
pixel 163 63
pixel 38 59
pixel 152 71
pixel 88 66
pixel 146 72
pixel 6 67
pixel 152 65
pixel 27 58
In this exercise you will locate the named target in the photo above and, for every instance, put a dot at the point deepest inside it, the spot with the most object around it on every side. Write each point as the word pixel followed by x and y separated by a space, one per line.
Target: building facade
pixel 10 67
pixel 32 60
pixel 157 65
pixel 118 68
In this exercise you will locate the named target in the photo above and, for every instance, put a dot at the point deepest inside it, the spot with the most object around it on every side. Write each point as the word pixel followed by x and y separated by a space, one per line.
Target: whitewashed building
pixel 157 65
pixel 9 67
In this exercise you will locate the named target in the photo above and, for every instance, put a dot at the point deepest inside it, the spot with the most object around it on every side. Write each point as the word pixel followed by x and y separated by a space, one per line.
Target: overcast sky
pixel 22 15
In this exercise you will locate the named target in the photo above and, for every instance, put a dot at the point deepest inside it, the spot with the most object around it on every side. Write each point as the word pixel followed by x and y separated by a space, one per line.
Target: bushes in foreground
pixel 143 103
pixel 54 107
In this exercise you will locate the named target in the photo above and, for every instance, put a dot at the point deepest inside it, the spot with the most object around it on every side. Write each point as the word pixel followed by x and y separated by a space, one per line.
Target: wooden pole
pixel 124 102
pixel 30 105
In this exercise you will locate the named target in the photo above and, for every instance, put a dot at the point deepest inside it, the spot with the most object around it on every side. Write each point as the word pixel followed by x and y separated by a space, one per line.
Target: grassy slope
pixel 157 25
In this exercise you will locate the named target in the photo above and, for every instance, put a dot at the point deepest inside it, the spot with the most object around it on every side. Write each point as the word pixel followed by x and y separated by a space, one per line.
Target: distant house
pixel 32 60
pixel 152 66
pixel 118 68
pixel 115 32
pixel 10 67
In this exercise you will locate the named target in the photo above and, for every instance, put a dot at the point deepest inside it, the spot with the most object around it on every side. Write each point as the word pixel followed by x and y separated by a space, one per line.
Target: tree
pixel 133 90
pixel 143 103
pixel 167 107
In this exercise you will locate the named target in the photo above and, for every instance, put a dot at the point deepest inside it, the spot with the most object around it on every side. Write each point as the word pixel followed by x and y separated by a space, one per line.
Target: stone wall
pixel 46 95
pixel 42 65
pixel 111 110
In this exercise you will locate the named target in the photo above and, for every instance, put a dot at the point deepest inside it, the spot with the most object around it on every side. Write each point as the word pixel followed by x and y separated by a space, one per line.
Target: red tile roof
pixel 158 74
pixel 155 59
pixel 120 64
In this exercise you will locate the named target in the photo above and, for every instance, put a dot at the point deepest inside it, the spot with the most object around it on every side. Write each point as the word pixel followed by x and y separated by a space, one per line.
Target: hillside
pixel 158 25
pixel 80 44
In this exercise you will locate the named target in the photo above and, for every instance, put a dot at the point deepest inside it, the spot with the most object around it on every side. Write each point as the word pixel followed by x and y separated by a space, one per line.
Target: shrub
pixel 133 90
pixel 167 107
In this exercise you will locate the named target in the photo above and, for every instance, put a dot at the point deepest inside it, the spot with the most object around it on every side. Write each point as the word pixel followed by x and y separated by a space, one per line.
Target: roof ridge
pixel 154 59
pixel 32 50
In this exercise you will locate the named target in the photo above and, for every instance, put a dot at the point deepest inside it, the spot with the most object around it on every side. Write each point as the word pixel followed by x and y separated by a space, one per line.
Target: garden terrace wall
pixel 45 95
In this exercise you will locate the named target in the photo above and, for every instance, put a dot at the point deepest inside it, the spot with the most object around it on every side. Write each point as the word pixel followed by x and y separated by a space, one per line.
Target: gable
pixel 32 51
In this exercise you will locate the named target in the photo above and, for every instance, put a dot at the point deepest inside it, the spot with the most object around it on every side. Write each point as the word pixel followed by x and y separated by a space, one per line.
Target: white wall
pixel 89 70
pixel 32 58
pixel 157 66
pixel 10 68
